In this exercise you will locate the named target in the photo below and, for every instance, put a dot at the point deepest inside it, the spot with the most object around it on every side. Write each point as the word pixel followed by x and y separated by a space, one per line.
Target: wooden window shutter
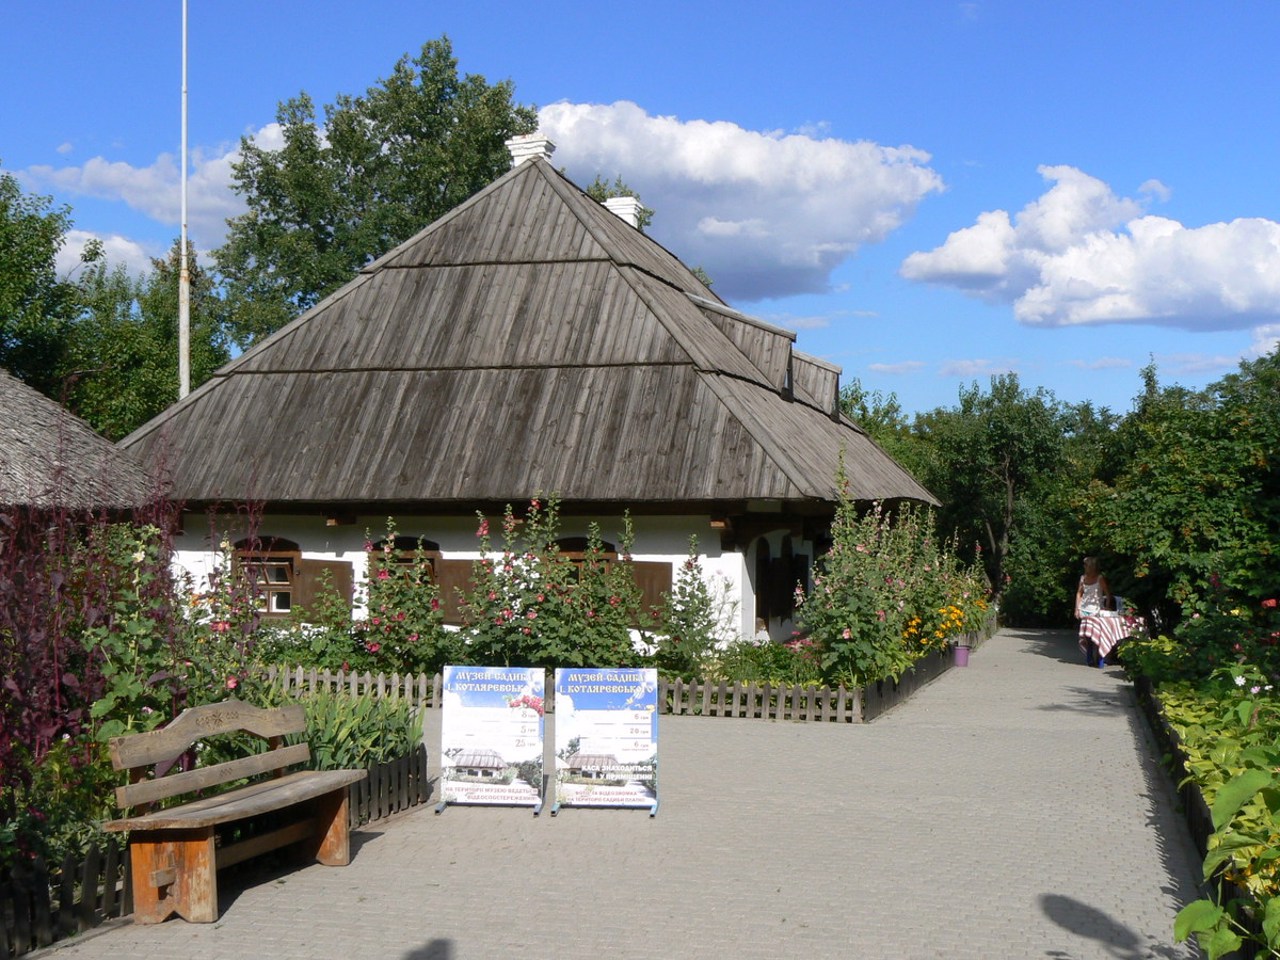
pixel 453 577
pixel 312 578
pixel 653 577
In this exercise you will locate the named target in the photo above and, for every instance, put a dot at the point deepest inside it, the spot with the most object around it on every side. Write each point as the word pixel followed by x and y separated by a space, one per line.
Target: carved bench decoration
pixel 175 857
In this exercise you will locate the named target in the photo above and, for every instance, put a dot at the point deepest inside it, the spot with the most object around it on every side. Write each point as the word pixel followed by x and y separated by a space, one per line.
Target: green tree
pixel 881 416
pixel 1044 557
pixel 1193 505
pixel 982 457
pixel 121 358
pixel 35 306
pixel 384 165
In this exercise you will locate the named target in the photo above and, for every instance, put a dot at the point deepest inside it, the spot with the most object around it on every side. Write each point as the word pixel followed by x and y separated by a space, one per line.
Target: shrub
pixel 530 605
pixel 886 593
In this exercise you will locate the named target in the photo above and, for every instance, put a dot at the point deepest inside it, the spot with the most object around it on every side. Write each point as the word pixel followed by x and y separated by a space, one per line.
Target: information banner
pixel 491 735
pixel 607 738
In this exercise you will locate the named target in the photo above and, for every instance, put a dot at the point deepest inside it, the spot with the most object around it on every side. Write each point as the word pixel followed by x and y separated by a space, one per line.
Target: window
pixel 269 567
pixel 404 555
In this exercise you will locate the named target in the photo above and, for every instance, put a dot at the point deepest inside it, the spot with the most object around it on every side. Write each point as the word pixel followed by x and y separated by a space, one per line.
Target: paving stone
pixel 1012 809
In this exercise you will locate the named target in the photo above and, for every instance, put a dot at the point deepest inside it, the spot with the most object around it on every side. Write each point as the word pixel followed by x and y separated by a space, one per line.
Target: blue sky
pixel 928 192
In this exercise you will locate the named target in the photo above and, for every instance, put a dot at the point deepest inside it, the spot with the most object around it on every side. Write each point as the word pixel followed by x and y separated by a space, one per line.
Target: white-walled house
pixel 530 342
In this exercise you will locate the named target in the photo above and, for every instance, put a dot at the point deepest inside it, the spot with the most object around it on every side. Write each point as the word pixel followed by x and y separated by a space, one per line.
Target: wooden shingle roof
pixel 49 458
pixel 527 342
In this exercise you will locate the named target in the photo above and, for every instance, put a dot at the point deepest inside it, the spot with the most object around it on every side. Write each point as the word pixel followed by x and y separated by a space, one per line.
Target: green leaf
pixel 1221 943
pixel 1199 916
pixel 1238 791
pixel 1271 920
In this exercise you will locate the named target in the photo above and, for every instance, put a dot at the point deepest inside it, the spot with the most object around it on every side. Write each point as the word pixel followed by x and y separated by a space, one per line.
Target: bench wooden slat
pixel 189 781
pixel 196 723
pixel 272 840
pixel 248 801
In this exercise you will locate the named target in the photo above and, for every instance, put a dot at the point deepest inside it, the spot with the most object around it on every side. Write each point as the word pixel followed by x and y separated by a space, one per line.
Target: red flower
pixel 435 604
pixel 232 682
pixel 373 647
pixel 1269 604
pixel 384 574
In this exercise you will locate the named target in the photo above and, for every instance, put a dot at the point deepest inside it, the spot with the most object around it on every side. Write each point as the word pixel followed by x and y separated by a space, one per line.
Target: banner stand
pixel 491 737
pixel 606 738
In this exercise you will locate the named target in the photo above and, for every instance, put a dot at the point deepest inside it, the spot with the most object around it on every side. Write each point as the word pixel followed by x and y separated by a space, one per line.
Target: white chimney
pixel 528 147
pixel 626 209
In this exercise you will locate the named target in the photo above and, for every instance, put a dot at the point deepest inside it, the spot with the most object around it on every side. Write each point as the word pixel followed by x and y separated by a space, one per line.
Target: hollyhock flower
pixel 1269 604
pixel 373 647
pixel 232 682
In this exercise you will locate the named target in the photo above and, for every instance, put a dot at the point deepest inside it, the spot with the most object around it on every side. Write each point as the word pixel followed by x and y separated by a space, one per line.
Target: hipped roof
pixel 49 458
pixel 527 342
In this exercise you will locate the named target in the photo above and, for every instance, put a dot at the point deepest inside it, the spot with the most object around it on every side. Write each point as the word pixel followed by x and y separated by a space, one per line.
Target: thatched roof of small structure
pixel 49 458
pixel 527 342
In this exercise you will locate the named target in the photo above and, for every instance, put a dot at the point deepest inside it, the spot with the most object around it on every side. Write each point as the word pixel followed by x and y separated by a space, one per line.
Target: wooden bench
pixel 177 851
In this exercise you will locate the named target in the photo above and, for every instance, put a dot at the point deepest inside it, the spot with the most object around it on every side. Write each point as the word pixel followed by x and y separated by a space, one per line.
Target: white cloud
pixel 1154 188
pixel 1103 363
pixel 1081 255
pixel 906 366
pixel 155 190
pixel 1266 339
pixel 119 250
pixel 1199 364
pixel 975 368
pixel 766 214
pixel 790 321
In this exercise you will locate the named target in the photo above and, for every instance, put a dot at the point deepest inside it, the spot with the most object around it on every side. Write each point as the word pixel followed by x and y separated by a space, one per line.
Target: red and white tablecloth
pixel 1106 630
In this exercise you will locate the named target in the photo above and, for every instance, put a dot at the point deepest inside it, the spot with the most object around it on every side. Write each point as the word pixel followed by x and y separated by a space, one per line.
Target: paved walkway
pixel 1012 809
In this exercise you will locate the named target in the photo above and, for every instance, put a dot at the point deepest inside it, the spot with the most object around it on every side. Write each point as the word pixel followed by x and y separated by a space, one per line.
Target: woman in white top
pixel 1093 595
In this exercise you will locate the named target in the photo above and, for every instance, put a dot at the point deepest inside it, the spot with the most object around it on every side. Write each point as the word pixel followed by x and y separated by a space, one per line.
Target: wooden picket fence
pixel 717 698
pixel 39 907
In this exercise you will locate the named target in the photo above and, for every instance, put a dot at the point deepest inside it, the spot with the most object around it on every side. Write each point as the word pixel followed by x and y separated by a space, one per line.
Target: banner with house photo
pixel 491 735
pixel 607 737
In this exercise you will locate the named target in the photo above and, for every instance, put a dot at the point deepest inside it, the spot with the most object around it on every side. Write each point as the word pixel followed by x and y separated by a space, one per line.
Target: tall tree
pixel 983 456
pixel 882 417
pixel 1194 508
pixel 384 165
pixel 35 305
pixel 121 361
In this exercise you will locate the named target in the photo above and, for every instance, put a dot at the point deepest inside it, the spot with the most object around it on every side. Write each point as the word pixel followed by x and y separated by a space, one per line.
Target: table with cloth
pixel 1105 630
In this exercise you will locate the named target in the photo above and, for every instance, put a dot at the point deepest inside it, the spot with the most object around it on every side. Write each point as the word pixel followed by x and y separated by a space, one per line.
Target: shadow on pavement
pixel 1093 702
pixel 1088 921
pixel 1057 644
pixel 431 950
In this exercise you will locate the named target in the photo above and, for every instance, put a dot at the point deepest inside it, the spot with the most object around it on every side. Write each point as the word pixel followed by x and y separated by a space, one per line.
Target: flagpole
pixel 184 273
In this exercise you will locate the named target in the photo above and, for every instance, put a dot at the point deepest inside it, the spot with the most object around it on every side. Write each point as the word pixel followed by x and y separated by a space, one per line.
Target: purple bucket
pixel 962 656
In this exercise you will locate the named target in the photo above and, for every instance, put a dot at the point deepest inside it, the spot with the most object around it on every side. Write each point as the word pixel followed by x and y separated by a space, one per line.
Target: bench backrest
pixel 140 753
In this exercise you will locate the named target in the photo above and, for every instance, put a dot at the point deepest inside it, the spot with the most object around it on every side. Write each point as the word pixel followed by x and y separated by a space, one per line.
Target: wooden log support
pixel 174 872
